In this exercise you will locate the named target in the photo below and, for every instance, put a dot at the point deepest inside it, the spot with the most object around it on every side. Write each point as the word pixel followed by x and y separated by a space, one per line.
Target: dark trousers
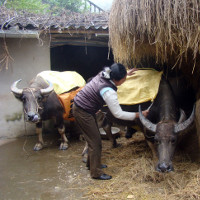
pixel 87 123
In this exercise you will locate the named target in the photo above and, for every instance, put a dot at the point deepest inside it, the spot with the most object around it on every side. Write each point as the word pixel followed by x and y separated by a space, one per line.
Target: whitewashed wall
pixel 29 58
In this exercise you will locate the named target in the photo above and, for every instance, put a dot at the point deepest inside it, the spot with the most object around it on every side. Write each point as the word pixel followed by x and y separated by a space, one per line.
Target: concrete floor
pixel 44 175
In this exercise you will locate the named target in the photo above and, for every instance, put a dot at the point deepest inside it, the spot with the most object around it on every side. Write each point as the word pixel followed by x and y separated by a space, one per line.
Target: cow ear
pixel 17 96
pixel 44 96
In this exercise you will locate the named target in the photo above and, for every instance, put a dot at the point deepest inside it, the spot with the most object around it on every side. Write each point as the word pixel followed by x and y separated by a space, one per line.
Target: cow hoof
pixel 63 146
pixel 38 147
pixel 84 160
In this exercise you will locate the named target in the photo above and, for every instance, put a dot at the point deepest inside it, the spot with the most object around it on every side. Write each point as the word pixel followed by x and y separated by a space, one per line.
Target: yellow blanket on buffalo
pixel 63 81
pixel 140 87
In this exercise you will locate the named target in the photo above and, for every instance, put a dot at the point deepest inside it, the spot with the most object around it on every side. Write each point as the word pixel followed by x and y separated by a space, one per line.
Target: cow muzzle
pixel 32 117
pixel 164 167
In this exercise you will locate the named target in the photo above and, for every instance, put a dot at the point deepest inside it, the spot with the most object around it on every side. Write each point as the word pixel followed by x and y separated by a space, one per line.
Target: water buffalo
pixel 162 126
pixel 41 103
pixel 164 121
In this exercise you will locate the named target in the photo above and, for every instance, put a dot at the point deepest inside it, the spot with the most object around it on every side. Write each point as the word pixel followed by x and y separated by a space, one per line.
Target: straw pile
pixel 166 30
pixel 134 176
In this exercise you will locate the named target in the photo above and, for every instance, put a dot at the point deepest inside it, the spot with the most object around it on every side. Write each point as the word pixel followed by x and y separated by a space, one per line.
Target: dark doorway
pixel 87 61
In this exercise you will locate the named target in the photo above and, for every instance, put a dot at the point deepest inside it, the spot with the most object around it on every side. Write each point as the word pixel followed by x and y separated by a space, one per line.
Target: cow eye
pixel 157 141
pixel 173 141
pixel 40 98
pixel 23 99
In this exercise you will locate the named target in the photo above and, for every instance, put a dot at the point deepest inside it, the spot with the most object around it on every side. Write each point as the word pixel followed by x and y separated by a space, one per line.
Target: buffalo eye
pixel 39 98
pixel 23 99
pixel 156 141
pixel 173 140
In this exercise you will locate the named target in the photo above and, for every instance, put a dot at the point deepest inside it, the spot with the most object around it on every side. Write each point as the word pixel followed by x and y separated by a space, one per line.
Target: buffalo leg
pixel 130 131
pixel 64 143
pixel 85 153
pixel 197 120
pixel 61 129
pixel 103 122
pixel 112 138
pixel 39 145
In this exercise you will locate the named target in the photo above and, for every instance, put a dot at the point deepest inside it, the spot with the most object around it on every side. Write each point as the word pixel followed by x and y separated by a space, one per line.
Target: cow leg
pixel 197 120
pixel 61 129
pixel 64 143
pixel 39 145
pixel 102 121
pixel 130 131
pixel 112 138
pixel 85 153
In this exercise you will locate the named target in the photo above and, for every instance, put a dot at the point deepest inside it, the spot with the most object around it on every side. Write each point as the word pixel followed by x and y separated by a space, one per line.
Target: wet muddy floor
pixel 47 175
pixel 53 174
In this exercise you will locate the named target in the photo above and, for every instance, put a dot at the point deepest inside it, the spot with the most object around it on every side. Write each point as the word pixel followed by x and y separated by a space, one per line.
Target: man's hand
pixel 131 71
pixel 145 113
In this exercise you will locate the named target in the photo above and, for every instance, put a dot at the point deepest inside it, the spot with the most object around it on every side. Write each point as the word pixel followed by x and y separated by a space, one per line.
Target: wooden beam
pixel 76 31
pixel 79 43
pixel 19 34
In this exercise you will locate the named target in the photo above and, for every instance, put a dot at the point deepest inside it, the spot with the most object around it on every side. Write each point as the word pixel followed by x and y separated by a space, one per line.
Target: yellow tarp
pixel 63 81
pixel 140 87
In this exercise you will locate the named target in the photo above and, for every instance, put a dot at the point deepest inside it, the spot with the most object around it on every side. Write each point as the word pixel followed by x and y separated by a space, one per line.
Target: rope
pixel 150 106
pixel 27 153
pixel 37 108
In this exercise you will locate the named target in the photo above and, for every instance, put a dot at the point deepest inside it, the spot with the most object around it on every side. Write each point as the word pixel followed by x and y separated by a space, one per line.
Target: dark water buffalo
pixel 164 123
pixel 169 114
pixel 41 103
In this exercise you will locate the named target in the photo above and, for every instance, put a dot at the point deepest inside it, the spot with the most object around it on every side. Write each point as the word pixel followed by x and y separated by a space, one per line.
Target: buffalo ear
pixel 17 96
pixel 44 98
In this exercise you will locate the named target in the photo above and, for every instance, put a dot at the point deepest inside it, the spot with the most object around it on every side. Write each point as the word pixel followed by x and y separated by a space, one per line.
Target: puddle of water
pixel 45 175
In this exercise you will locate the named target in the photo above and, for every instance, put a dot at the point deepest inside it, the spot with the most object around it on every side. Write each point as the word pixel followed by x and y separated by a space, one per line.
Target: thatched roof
pixel 166 30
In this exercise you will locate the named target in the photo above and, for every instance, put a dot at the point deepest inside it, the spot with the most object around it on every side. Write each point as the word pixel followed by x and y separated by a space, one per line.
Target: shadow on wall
pixel 87 61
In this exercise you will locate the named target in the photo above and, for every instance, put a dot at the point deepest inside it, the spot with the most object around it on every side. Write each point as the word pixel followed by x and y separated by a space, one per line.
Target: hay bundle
pixel 167 30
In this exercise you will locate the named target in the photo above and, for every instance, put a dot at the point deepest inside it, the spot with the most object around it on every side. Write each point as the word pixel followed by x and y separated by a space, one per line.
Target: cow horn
pixel 182 116
pixel 149 125
pixel 47 90
pixel 182 126
pixel 17 92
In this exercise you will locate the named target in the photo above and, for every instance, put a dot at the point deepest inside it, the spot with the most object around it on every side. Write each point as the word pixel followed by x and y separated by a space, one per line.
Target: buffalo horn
pixel 47 90
pixel 150 126
pixel 17 92
pixel 182 116
pixel 182 126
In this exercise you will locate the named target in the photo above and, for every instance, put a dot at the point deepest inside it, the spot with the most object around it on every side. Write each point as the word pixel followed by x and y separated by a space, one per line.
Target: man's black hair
pixel 118 71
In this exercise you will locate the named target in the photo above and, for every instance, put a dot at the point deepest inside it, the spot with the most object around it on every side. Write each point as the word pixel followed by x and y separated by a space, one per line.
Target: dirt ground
pixel 51 174
pixel 47 174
